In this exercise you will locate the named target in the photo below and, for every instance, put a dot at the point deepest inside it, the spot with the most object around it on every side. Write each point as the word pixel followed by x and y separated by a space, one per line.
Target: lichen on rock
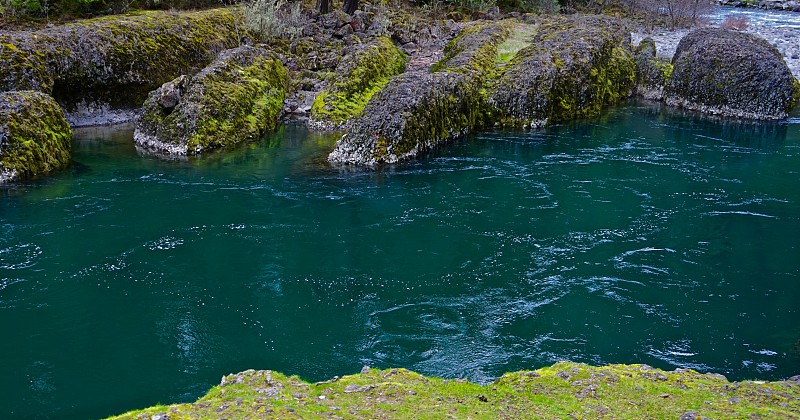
pixel 731 73
pixel 358 77
pixel 576 65
pixel 237 98
pixel 35 138
pixel 417 111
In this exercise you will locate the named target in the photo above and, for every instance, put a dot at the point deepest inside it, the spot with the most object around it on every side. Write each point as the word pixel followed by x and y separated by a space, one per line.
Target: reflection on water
pixel 645 236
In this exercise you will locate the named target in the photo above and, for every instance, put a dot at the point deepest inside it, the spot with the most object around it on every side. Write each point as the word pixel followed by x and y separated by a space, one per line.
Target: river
pixel 645 236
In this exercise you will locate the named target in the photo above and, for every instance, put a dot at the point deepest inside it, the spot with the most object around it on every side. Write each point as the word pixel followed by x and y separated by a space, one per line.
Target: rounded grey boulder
pixel 731 73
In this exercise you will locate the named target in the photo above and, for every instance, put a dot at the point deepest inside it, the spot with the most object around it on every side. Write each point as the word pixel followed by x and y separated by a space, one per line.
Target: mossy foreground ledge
pixel 564 390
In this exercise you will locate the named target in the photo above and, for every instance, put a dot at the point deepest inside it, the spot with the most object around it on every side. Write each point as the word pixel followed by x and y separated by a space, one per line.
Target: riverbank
pixel 562 390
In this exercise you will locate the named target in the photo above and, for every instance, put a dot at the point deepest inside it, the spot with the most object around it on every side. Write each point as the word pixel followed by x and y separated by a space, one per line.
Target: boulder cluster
pixel 397 84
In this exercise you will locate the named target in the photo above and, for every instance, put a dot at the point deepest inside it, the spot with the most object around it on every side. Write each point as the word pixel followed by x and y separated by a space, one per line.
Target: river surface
pixel 646 236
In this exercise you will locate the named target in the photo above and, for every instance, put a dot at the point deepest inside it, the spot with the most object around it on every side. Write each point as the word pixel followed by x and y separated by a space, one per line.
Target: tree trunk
pixel 350 6
pixel 324 6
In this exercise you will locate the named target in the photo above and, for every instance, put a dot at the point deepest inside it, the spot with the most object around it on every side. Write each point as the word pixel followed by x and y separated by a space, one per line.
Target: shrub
pixel 737 23
pixel 274 18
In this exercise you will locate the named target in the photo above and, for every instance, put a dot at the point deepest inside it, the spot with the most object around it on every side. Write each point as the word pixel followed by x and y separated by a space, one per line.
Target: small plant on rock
pixel 736 23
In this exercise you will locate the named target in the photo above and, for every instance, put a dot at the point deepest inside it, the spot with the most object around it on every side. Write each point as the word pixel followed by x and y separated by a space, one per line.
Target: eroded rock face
pixel 35 138
pixel 419 110
pixel 651 72
pixel 235 99
pixel 731 73
pixel 574 67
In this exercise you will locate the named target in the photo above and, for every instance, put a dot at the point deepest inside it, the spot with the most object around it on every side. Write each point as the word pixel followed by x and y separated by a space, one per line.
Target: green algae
pixel 563 390
pixel 358 80
pixel 35 138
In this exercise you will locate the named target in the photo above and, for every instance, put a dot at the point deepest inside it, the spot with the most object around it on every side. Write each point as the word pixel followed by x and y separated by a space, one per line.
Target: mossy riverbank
pixel 564 390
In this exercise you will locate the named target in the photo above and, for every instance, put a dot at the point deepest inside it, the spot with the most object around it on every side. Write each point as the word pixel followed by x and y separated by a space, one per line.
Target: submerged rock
pixel 652 72
pixel 418 110
pixel 237 98
pixel 731 73
pixel 574 67
pixel 35 138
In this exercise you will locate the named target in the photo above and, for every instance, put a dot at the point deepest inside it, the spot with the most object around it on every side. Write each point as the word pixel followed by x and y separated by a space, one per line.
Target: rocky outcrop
pixel 652 72
pixel 35 138
pixel 575 66
pixel 731 73
pixel 113 62
pixel 358 77
pixel 419 110
pixel 235 99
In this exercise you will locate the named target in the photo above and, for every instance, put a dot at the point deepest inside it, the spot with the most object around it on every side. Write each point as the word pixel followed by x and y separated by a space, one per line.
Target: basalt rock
pixel 417 111
pixel 576 65
pixel 237 98
pixel 22 70
pixel 652 72
pixel 731 73
pixel 112 62
pixel 35 138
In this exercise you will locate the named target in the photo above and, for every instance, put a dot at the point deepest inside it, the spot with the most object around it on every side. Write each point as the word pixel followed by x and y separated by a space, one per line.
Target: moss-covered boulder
pixel 115 60
pixel 419 110
pixel 652 72
pixel 575 66
pixel 35 138
pixel 358 77
pixel 21 69
pixel 414 113
pixel 731 73
pixel 237 98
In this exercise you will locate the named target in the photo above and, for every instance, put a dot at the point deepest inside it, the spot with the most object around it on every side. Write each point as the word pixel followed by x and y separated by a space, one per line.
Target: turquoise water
pixel 647 236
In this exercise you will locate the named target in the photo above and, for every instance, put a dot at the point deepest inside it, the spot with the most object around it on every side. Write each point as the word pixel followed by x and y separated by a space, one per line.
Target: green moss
pixel 128 54
pixel 236 99
pixel 35 138
pixel 362 75
pixel 560 391
pixel 574 67
pixel 795 96
pixel 22 70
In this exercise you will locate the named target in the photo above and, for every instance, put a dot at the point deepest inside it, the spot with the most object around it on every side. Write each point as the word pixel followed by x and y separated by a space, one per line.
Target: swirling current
pixel 645 236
